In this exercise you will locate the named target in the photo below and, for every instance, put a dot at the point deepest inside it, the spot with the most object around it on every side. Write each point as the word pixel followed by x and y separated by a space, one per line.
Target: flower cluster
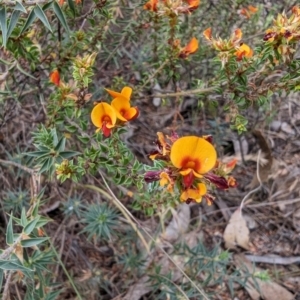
pixel 105 116
pixel 170 7
pixel 284 33
pixel 190 165
pixel 228 48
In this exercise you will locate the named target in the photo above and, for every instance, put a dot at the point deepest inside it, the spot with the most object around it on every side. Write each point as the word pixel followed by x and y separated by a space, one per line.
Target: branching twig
pixel 6 287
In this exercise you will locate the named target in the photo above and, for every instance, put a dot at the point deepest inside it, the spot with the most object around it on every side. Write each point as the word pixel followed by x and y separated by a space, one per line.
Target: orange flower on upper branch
pixel 151 5
pixel 61 2
pixel 169 7
pixel 192 5
pixel 193 156
pixel 121 104
pixel 243 51
pixel 104 117
pixel 249 11
pixel 123 110
pixel 125 93
pixel 55 77
pixel 284 29
pixel 190 48
pixel 229 47
pixel 284 34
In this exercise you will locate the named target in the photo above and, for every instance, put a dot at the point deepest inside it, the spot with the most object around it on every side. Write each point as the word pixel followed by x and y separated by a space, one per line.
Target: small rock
pixel 285 127
pixel 275 125
pixel 156 101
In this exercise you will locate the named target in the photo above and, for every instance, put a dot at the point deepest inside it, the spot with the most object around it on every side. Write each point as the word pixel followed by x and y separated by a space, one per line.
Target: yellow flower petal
pixel 192 152
pixel 103 112
pixel 125 93
pixel 244 51
pixel 123 110
pixel 202 188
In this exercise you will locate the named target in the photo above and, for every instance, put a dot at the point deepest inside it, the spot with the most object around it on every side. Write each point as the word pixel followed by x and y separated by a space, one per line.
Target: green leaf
pixel 46 165
pixel 29 21
pixel 41 15
pixel 72 7
pixel 13 22
pixel 12 265
pixel 33 242
pixel 23 218
pixel 47 6
pixel 24 72
pixel 3 26
pixel 31 225
pixel 39 154
pixel 42 221
pixel 20 7
pixel 9 232
pixel 60 145
pixel 68 154
pixel 61 17
pixel 83 139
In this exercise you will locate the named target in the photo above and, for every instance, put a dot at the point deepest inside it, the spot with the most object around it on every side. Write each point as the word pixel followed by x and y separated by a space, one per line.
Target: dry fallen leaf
pixel 267 290
pixel 236 232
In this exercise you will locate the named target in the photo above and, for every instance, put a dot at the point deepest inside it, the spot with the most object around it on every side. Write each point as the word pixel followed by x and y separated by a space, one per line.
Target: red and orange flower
pixel 104 117
pixel 191 166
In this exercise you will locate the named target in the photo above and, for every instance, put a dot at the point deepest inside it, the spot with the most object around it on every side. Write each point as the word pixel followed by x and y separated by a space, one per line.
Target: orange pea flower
pixel 190 48
pixel 193 4
pixel 104 117
pixel 249 11
pixel 194 193
pixel 55 77
pixel 244 51
pixel 121 104
pixel 151 5
pixel 123 109
pixel 207 34
pixel 194 157
pixel 125 93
